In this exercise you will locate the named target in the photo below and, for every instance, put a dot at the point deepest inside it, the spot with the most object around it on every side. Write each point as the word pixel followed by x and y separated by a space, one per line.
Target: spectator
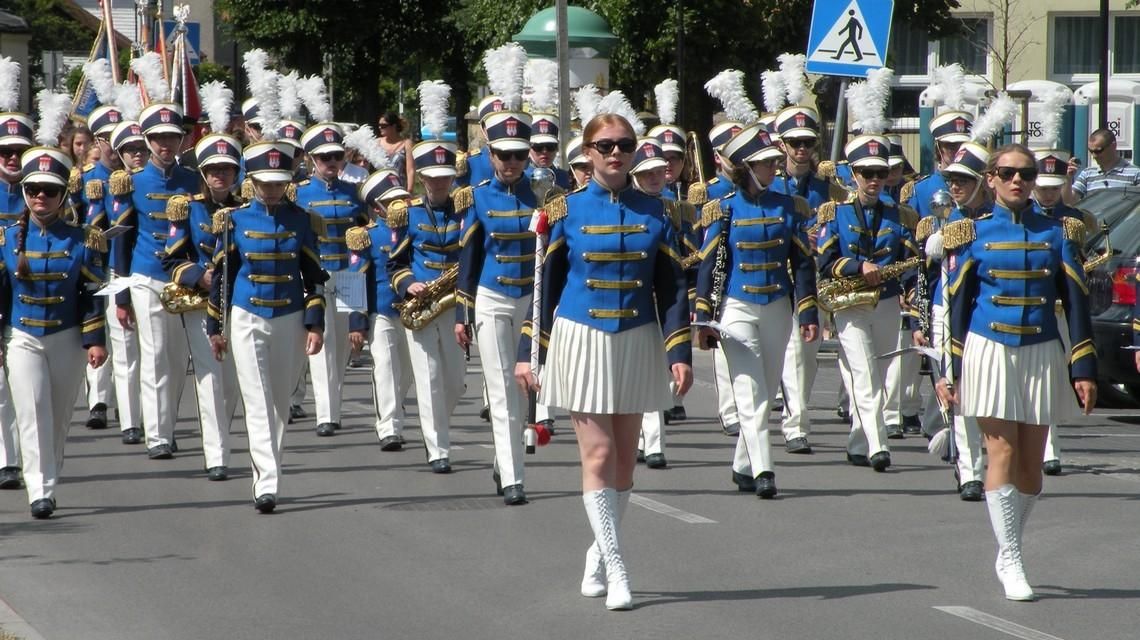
pixel 1111 170
pixel 76 141
pixel 390 130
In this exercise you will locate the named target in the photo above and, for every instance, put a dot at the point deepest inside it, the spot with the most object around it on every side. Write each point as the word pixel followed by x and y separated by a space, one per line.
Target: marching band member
pixel 189 260
pixel 140 199
pixel 544 148
pixel 48 311
pixel 797 128
pixel 426 243
pixel 496 280
pixel 608 360
pixel 475 167
pixel 1007 270
pixel 763 238
pixel 901 172
pixel 272 310
pixel 391 363
pixel 859 238
pixel 950 129
pixel 580 169
pixel 504 66
pixel 334 201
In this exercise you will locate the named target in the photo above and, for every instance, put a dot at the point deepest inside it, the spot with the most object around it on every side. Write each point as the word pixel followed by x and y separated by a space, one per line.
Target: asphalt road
pixel 368 544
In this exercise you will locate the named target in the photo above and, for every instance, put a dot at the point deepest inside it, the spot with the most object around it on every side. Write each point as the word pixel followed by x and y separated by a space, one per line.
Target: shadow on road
pixel 835 592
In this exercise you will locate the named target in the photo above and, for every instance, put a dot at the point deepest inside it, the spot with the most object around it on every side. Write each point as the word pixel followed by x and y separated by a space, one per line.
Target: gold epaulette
pixel 826 169
pixel 825 213
pixel 178 208
pixel 291 192
pixel 397 215
pixel 908 217
pixel 462 199
pixel 907 192
pixel 687 210
pixel 247 189
pixel 556 209
pixel 460 163
pixel 220 220
pixel 357 238
pixel 1074 229
pixel 94 189
pixel 3 237
pixel 839 193
pixel 87 167
pixel 74 180
pixel 803 207
pixel 958 233
pixel 673 211
pixel 925 229
pixel 317 223
pixel 93 238
pixel 710 213
pixel 698 194
pixel 121 183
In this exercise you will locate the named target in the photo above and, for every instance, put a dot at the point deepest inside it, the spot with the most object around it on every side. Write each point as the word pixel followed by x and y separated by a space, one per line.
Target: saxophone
pixel 176 298
pixel 843 293
pixel 438 297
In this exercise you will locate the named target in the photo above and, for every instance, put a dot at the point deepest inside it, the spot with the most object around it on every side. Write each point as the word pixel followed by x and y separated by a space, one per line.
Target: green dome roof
pixel 586 29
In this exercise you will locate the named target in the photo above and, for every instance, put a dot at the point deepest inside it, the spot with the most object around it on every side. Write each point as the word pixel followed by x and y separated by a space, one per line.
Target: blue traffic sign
pixel 849 37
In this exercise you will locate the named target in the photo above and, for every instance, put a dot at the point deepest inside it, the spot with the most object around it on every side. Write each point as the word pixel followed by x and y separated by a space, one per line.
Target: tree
pixel 52 30
pixel 1011 37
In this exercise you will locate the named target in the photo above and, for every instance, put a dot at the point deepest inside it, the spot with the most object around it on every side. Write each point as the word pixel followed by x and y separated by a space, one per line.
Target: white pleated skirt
pixel 1028 384
pixel 592 371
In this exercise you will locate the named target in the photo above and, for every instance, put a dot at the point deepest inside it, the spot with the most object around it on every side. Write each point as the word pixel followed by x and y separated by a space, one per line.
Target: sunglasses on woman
pixel 47 190
pixel 1005 174
pixel 800 143
pixel 504 156
pixel 335 156
pixel 544 148
pixel 606 146
pixel 874 174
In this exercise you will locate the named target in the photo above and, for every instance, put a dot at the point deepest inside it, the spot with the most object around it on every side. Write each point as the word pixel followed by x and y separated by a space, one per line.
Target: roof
pixel 85 18
pixel 12 23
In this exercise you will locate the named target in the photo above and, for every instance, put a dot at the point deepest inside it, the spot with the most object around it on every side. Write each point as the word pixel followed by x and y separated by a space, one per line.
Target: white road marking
pixel 997 624
pixel 666 510
pixel 1082 434
pixel 12 623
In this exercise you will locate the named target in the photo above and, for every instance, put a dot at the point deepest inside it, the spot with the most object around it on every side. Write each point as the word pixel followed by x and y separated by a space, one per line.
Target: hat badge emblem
pixel 112 116
pixel 13 127
pixel 164 115
pixel 873 148
pixel 274 158
pixel 45 163
pixel 290 131
pixel 543 126
pixel 668 137
pixel 960 125
pixel 496 105
pixel 735 130
pixel 221 147
pixel 1050 165
pixel 136 129
pixel 649 151
pixel 960 155
pixel 764 139
pixel 328 135
pixel 440 155
pixel 512 127
pixel 801 120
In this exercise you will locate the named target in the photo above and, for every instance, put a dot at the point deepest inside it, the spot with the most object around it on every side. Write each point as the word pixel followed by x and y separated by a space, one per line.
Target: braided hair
pixel 22 267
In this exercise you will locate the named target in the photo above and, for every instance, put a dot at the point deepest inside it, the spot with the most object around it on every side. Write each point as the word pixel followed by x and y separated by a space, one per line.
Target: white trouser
pixel 899 370
pixel 267 352
pixel 391 373
pixel 498 324
pixel 327 367
pixel 123 348
pixel 725 402
pixel 9 434
pixel 212 381
pixel 1052 446
pixel 100 385
pixel 798 378
pixel 967 434
pixel 541 411
pixel 162 361
pixel 864 333
pixel 45 374
pixel 437 362
pixel 754 368
pixel 931 413
pixel 302 385
pixel 652 438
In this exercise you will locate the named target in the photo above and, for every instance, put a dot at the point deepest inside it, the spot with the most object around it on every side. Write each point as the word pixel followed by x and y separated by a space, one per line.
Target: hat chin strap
pixel 9 175
pixel 756 183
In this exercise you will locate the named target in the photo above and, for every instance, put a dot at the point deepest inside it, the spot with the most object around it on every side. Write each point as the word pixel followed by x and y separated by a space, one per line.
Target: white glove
pixel 934 246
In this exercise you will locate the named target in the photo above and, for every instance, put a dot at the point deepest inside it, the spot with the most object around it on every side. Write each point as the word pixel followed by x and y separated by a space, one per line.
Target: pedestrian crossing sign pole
pixel 849 37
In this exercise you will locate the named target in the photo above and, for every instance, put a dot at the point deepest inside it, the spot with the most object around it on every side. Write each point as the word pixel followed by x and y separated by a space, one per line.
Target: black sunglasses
pixel 1005 174
pixel 1096 150
pixel 606 146
pixel 335 156
pixel 48 190
pixel 504 156
pixel 133 149
pixel 383 125
pixel 874 174
pixel 800 143
pixel 959 179
pixel 9 152
pixel 544 148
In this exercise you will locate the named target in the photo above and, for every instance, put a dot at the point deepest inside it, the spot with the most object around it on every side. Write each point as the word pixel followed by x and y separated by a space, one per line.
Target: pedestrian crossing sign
pixel 849 37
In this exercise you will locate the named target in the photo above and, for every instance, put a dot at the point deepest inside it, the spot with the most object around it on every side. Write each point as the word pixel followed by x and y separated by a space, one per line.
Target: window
pixel 1126 45
pixel 969 47
pixel 1075 47
pixel 1079 38
pixel 913 56
pixel 909 50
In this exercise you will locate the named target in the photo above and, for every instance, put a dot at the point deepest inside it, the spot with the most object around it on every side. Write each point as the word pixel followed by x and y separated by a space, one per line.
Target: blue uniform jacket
pixel 93 198
pixel 192 242
pixel 426 242
pixel 11 203
pixel 1006 272
pixel 478 168
pixel 765 240
pixel 613 264
pixel 927 227
pixel 272 265
pixel 340 209
pixel 66 269
pixel 371 259
pixel 923 192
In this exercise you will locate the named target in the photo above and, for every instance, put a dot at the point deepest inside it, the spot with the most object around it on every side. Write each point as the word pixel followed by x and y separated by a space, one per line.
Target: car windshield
pixel 1116 208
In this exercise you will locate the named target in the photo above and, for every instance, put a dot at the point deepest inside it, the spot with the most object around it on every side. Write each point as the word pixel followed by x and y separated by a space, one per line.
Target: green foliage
pixel 211 71
pixel 74 76
pixel 52 30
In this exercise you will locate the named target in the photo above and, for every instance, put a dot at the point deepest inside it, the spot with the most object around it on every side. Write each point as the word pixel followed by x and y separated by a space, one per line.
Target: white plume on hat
pixel 666 95
pixel 289 96
pixel 1051 113
pixel 728 88
pixel 542 78
pixel 868 101
pixel 504 66
pixel 616 103
pixel 586 101
pixel 9 84
pixel 148 68
pixel 1000 113
pixel 217 99
pixel 363 139
pixel 775 95
pixel 316 98
pixel 128 100
pixel 434 97
pixel 53 109
pixel 792 72
pixel 98 74
pixel 949 86
pixel 263 88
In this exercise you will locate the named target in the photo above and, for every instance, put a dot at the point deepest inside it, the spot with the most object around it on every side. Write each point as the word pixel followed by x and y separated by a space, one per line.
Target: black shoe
pixel 894 432
pixel 265 503
pixel 777 405
pixel 880 461
pixel 676 414
pixel 161 452
pixel 390 443
pixel 744 484
pixel 296 412
pixel 10 478
pixel 326 429
pixel 858 460
pixel 731 430
pixel 911 425
pixel 402 440
pixel 972 491
pixel 442 465
pixel 132 435
pixel 766 485
pixel 656 461
pixel 98 417
pixel 843 413
pixel 641 455
pixel 498 480
pixel 173 444
pixel 514 495
pixel 43 508
pixel 217 474
pixel 485 413
pixel 1051 467
pixel 797 445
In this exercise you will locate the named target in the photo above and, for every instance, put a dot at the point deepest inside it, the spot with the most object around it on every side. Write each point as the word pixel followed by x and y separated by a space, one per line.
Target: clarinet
pixel 922 302
pixel 720 269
